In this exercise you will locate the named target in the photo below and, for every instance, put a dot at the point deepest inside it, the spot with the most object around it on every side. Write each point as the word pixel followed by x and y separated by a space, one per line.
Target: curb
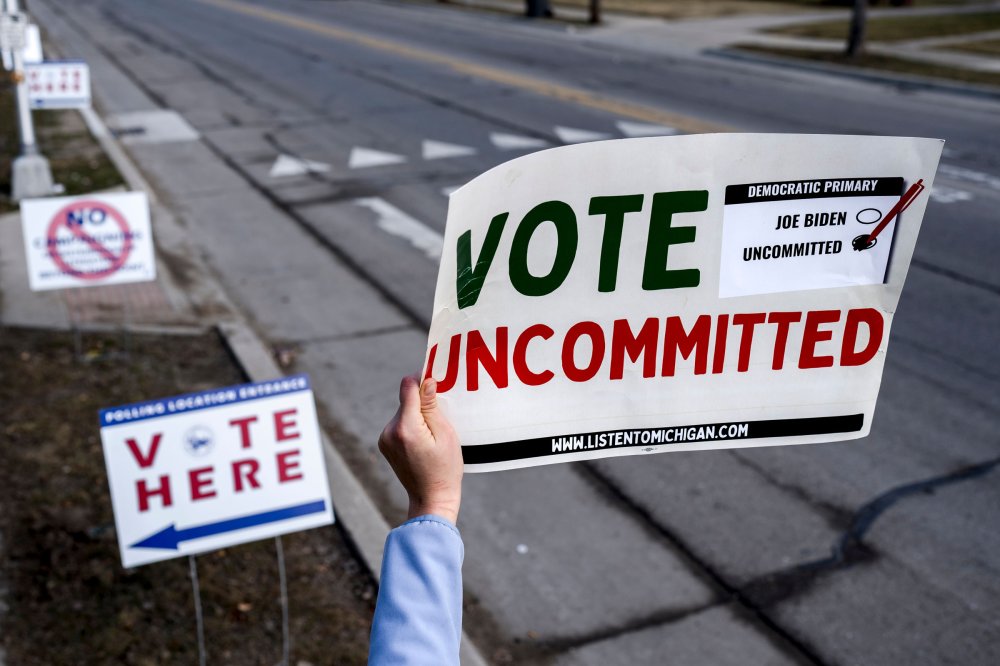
pixel 861 74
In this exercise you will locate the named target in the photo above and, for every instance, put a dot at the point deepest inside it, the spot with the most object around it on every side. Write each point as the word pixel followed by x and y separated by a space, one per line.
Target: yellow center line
pixel 486 72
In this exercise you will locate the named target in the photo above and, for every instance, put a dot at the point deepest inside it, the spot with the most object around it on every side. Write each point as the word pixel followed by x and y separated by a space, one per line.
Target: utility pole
pixel 856 36
pixel 30 172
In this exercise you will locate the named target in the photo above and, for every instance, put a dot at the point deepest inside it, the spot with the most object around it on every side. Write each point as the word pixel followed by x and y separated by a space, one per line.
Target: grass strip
pixel 987 47
pixel 882 63
pixel 899 28
pixel 70 601
pixel 76 159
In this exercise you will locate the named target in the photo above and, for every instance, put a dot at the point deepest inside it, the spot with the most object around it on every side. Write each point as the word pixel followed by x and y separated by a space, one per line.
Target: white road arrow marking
pixel 947 195
pixel 516 142
pixel 435 150
pixel 286 165
pixel 394 221
pixel 447 191
pixel 644 129
pixel 968 175
pixel 573 135
pixel 362 158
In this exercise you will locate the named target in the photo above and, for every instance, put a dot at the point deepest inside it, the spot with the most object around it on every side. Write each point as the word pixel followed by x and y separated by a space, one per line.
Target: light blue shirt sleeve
pixel 418 615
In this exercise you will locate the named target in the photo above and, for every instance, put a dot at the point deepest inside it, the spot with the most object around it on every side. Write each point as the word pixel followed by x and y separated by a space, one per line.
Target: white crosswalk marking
pixel 516 142
pixel 631 129
pixel 394 221
pixel 574 135
pixel 435 150
pixel 362 158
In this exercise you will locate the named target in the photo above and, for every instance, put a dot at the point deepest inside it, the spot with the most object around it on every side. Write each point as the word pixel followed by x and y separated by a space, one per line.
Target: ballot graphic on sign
pixel 800 235
pixel 207 470
pixel 673 293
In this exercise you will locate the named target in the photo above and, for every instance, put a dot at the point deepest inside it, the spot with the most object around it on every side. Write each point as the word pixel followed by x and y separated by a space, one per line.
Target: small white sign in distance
pixel 58 84
pixel 12 32
pixel 208 470
pixel 87 241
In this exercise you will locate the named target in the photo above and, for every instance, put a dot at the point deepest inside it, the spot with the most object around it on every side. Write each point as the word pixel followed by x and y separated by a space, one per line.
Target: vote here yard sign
pixel 208 470
pixel 674 293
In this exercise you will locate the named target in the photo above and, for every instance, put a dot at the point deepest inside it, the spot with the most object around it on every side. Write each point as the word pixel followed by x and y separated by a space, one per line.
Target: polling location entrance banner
pixel 208 470
pixel 674 293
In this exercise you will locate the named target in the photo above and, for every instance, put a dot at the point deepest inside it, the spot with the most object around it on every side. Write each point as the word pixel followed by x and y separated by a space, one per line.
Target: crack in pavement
pixel 759 595
pixel 370 333
pixel 850 549
pixel 655 619
pixel 724 589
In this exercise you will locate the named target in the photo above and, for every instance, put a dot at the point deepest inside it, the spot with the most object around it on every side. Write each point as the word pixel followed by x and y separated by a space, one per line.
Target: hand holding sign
pixel 423 450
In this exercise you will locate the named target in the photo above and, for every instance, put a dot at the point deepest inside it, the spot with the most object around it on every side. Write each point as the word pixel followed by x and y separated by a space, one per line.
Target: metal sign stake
pixel 31 175
pixel 199 618
pixel 286 638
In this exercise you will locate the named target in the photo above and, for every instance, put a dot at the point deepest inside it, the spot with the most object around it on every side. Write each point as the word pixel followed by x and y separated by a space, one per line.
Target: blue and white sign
pixel 208 470
pixel 58 84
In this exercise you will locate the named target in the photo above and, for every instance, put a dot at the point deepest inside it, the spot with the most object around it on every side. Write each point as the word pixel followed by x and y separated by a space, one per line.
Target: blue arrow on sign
pixel 170 536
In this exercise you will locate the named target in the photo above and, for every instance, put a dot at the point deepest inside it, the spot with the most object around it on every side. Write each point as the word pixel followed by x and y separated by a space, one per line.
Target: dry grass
pixel 70 600
pixel 883 63
pixel 986 47
pixel 893 29
pixel 77 161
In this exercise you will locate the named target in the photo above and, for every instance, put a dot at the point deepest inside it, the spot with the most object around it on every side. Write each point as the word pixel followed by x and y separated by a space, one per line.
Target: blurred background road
pixel 309 147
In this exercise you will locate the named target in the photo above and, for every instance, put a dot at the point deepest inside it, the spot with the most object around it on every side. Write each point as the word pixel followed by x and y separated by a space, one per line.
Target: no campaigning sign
pixel 673 293
pixel 88 240
pixel 203 471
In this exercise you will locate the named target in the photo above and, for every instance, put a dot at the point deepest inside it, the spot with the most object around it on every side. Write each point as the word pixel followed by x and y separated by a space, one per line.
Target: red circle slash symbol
pixel 64 220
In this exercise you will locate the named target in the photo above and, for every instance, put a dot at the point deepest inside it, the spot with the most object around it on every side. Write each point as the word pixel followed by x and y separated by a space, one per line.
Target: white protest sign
pixel 58 84
pixel 673 293
pixel 90 240
pixel 208 470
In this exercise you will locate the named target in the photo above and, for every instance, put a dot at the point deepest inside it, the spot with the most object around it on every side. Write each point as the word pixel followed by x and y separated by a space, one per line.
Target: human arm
pixel 418 615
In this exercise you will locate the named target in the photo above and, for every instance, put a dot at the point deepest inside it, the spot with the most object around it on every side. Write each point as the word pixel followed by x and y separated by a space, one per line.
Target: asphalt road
pixel 881 551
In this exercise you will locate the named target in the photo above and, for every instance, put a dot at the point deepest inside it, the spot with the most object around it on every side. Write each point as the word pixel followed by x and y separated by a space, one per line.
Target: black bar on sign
pixel 817 188
pixel 543 446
